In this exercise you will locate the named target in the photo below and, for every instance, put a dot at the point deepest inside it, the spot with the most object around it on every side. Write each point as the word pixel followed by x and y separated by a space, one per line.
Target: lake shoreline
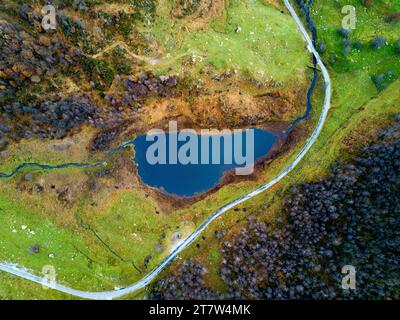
pixel 283 144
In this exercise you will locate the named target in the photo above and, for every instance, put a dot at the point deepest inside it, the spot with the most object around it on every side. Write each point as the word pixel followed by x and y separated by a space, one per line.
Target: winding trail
pixel 126 48
pixel 108 295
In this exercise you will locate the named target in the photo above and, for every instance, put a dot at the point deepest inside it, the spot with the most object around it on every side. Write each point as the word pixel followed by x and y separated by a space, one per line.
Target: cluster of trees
pixel 55 119
pixel 25 59
pixel 376 43
pixel 349 218
pixel 383 80
pixel 49 119
pixel 186 284
pixel 147 85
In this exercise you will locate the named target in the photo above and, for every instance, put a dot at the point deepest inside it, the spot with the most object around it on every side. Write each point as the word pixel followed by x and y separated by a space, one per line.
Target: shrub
pixel 344 32
pixel 378 42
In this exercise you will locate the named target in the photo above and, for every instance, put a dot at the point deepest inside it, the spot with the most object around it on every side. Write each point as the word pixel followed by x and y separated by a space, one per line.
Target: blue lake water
pixel 191 179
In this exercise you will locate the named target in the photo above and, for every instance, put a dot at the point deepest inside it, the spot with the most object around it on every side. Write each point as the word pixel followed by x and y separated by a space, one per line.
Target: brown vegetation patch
pixel 393 17
pixel 363 134
pixel 58 193
pixel 198 13
pixel 229 108
pixel 274 3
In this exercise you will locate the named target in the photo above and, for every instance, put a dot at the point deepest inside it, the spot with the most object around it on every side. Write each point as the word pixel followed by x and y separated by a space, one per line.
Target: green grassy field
pixel 256 40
